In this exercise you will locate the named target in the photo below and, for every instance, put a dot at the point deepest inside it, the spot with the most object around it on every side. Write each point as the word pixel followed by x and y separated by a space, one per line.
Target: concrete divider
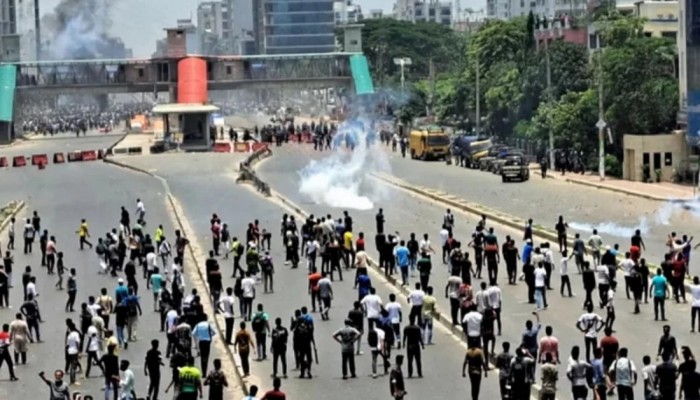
pixel 135 150
pixel 38 159
pixel 3 162
pixel 222 147
pixel 120 151
pixel 58 158
pixel 75 156
pixel 19 161
pixel 89 155
pixel 247 171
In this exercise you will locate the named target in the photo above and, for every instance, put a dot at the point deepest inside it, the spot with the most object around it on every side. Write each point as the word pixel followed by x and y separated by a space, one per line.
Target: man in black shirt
pixel 667 345
pixel 347 221
pixel 690 382
pixel 666 377
pixel 30 310
pixel 380 221
pixel 110 366
pixel 357 316
pixel 413 342
pixel 412 246
pixel 152 369
pixel 280 336
pixel 396 383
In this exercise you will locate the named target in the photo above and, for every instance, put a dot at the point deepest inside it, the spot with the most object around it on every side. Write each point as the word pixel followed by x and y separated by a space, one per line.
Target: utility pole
pixel 402 63
pixel 37 29
pixel 478 97
pixel 550 97
pixel 431 96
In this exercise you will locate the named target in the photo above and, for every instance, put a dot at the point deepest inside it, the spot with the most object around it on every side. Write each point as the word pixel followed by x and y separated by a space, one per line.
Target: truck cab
pixel 429 143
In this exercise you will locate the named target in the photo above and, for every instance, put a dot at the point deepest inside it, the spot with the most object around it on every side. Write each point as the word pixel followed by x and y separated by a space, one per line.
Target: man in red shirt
pixel 276 393
pixel 610 345
pixel 360 242
pixel 5 351
pixel 549 345
pixel 314 277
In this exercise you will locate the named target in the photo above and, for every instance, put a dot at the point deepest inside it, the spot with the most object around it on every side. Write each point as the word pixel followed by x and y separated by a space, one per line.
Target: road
pixel 406 213
pixel 577 203
pixel 63 194
pixel 237 205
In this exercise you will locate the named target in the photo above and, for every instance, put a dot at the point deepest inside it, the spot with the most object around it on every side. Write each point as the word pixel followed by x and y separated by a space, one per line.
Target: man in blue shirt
pixel 527 252
pixel 362 283
pixel 599 378
pixel 156 286
pixel 121 291
pixel 402 259
pixel 659 291
pixel 203 334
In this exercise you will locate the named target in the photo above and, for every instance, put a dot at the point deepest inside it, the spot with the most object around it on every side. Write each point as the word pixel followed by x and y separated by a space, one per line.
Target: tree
pixel 569 67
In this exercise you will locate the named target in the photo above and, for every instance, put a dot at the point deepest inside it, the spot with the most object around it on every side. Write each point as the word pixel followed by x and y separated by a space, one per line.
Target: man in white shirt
pixel 73 349
pixel 225 306
pixel 471 323
pixel 540 287
pixel 127 383
pixel 395 316
pixel 378 351
pixel 444 235
pixel 372 304
pixel 140 212
pixel 590 324
pixel 495 298
pixel 424 245
pixel 11 234
pixel 312 247
pixel 415 299
pixel 93 346
pixel 627 265
pixel 695 304
pixel 564 274
pixel 481 298
pixel 31 287
pixel 595 242
pixel 452 292
pixel 151 265
pixel 248 287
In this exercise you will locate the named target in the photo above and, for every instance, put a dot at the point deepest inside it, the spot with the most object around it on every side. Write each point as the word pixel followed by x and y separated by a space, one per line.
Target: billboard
pixel 8 79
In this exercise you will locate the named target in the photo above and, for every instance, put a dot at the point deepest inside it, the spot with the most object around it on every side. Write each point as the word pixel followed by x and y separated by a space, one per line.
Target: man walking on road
pixel 347 337
pixel 659 292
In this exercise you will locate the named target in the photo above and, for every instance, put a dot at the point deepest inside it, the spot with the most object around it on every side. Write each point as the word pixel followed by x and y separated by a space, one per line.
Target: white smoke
pixel 341 179
pixel 661 216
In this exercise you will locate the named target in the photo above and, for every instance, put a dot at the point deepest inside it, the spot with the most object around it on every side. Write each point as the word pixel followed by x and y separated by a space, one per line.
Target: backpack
pixel 303 329
pixel 372 339
pixel 518 371
pixel 279 337
pixel 266 264
pixel 258 323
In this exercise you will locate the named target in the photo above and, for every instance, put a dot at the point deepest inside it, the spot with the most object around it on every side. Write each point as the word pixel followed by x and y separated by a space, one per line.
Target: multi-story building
pixel 375 13
pixel 294 27
pixel 346 12
pixel 8 17
pixel 423 11
pixel 507 9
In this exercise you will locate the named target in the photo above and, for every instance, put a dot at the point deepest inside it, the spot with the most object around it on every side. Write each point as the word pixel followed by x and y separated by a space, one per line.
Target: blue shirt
pixel 363 284
pixel 402 254
pixel 203 331
pixel 156 283
pixel 659 284
pixel 121 293
pixel 598 371
pixel 527 253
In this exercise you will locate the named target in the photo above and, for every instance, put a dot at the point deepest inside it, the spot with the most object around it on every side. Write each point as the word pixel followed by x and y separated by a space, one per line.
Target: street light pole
pixel 477 126
pixel 601 124
pixel 402 63
pixel 550 97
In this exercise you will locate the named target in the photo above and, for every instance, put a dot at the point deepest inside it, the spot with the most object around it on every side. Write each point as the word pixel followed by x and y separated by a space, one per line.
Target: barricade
pixel 241 148
pixel 135 150
pixel 222 147
pixel 89 155
pixel 40 159
pixel 3 162
pixel 75 156
pixel 58 158
pixel 100 154
pixel 259 146
pixel 120 150
pixel 19 161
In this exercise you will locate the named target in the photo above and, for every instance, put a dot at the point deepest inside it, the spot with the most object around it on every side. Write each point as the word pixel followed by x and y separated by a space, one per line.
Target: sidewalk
pixel 663 191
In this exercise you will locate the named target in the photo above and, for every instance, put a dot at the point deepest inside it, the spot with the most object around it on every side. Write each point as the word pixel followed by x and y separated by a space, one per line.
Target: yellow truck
pixel 429 142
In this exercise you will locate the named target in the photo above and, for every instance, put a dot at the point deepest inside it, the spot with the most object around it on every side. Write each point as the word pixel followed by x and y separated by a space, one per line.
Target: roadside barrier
pixel 3 162
pixel 19 161
pixel 222 147
pixel 75 156
pixel 40 159
pixel 89 155
pixel 58 158
pixel 135 150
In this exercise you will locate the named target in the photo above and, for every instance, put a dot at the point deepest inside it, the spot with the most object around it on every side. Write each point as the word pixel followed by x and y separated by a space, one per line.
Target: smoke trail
pixel 661 216
pixel 79 30
pixel 340 179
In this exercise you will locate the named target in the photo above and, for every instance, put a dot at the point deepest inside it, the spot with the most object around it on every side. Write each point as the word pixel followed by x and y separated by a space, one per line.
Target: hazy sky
pixel 139 23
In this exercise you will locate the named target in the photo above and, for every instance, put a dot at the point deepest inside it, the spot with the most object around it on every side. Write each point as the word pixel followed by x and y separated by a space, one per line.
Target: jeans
pixel 229 329
pixel 475 381
pixel 428 330
pixel 279 355
pixel 414 354
pixel 625 392
pixel 204 351
pixel 694 313
pixel 120 335
pixel 348 359
pixel 454 310
pixel 659 305
pixel 540 297
pixel 260 345
pixel 404 274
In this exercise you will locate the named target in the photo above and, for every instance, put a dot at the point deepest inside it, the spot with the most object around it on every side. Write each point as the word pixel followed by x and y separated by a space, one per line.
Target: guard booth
pixel 191 122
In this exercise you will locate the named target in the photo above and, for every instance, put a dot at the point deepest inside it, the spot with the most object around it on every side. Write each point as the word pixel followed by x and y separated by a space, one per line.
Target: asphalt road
pixel 62 195
pixel 201 193
pixel 406 213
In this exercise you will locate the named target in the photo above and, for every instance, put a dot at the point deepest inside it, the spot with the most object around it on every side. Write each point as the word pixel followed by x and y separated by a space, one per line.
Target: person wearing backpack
pixel 268 269
pixel 261 327
pixel 521 375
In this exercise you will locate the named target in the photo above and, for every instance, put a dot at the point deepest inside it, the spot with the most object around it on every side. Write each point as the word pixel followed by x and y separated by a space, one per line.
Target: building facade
pixel 294 27
pixel 424 11
pixel 8 17
pixel 690 21
pixel 346 12
pixel 507 9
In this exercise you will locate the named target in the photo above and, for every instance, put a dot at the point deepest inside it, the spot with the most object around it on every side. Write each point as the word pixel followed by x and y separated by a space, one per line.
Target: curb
pixel 624 191
pixel 497 216
pixel 171 200
pixel 18 206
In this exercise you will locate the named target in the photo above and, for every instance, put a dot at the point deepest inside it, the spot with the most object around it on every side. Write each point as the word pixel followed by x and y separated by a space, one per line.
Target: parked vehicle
pixel 429 142
pixel 515 167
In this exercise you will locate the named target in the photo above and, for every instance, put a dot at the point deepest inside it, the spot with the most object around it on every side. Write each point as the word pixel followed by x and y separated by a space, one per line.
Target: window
pixel 431 12
pixel 645 159
pixel 657 160
pixel 670 35
pixel 668 159
pixel 140 72
pixel 229 70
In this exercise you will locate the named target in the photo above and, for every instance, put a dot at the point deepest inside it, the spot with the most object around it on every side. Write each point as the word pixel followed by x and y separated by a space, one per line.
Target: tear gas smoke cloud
pixel 342 179
pixel 79 30
pixel 661 216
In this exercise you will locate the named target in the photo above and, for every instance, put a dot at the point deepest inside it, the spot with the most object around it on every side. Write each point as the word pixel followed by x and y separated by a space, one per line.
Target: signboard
pixel 693 133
